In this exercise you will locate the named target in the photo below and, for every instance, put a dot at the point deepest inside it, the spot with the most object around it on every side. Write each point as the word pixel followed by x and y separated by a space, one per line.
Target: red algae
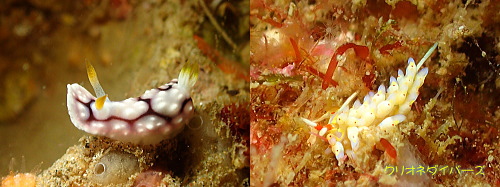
pixel 315 38
pixel 384 49
pixel 237 117
pixel 389 149
pixel 361 51
pixel 224 64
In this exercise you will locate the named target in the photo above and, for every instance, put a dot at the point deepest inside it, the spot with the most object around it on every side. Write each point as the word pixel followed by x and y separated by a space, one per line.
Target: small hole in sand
pixel 195 123
pixel 99 168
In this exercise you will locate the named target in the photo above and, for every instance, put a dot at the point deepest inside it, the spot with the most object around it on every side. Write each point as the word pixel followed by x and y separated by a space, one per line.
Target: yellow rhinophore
pixel 101 96
pixel 188 75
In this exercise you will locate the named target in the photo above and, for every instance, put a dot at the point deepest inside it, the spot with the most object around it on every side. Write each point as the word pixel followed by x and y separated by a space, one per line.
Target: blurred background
pixel 133 45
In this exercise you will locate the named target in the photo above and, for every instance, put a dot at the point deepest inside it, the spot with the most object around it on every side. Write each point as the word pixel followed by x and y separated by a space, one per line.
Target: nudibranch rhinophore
pixel 158 114
pixel 380 111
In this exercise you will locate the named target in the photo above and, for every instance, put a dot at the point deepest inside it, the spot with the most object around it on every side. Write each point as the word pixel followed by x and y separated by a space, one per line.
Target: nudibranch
pixel 158 114
pixel 381 111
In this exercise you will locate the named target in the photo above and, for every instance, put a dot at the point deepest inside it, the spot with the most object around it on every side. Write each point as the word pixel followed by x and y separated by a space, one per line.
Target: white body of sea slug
pixel 158 114
pixel 385 108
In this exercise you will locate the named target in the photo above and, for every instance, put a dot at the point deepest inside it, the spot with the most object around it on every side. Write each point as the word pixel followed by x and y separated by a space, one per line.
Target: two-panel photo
pixel 249 93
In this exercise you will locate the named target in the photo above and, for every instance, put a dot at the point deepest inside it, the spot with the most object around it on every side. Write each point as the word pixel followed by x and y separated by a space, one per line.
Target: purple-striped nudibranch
pixel 158 114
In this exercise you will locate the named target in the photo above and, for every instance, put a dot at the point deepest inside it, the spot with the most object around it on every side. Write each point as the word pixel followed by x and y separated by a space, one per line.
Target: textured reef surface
pixel 309 57
pixel 135 46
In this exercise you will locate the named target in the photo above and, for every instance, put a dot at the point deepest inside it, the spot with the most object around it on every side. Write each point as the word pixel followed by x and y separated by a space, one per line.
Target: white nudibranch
pixel 158 114
pixel 353 137
pixel 338 150
pixel 382 110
